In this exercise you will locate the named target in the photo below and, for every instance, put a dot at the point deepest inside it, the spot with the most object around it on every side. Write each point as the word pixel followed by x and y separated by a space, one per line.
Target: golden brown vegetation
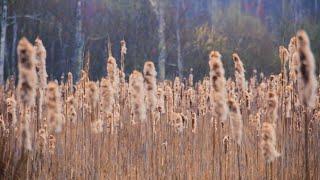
pixel 260 128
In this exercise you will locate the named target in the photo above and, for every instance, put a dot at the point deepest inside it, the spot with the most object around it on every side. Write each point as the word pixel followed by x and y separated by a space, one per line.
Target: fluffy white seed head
pixel 27 73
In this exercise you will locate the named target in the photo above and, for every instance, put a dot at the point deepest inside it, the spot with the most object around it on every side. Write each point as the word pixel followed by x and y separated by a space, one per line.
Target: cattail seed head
pixel 236 120
pixel 42 139
pixel 194 122
pixel 190 79
pixel 268 142
pixel 218 86
pixel 71 108
pixel 160 100
pixel 11 110
pixel 41 55
pixel 272 107
pixel 27 73
pixel 107 95
pixel 2 125
pixel 52 144
pixel 307 79
pixel 136 87
pixel 239 73
pixel 53 101
pixel 283 54
pixel 226 141
pixel 92 94
pixel 150 76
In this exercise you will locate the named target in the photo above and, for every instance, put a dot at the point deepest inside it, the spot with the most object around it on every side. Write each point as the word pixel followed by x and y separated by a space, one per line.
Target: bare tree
pixel 159 11
pixel 3 38
pixel 14 45
pixel 179 54
pixel 77 59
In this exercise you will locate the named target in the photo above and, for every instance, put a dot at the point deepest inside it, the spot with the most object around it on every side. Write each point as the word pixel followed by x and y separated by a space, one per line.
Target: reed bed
pixel 140 128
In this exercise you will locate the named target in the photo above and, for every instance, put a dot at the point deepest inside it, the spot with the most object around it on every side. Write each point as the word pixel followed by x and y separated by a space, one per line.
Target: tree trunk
pixel 3 38
pixel 179 55
pixel 162 43
pixel 159 11
pixel 213 9
pixel 79 44
pixel 14 46
pixel 315 9
pixel 63 48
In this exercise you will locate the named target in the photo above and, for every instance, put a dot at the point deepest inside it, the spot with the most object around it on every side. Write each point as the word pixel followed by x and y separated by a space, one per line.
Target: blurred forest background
pixel 175 34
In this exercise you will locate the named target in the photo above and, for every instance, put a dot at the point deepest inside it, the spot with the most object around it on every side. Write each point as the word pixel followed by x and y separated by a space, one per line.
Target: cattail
pixel 169 102
pixel 2 125
pixel 287 100
pixel 112 68
pixel 27 73
pixel 84 77
pixel 236 120
pixel 117 114
pixel 70 83
pixel 136 87
pixel 92 94
pixel 255 120
pixel 307 78
pixel 150 76
pixel 52 144
pixel 194 122
pixel 178 121
pixel 123 47
pixel 272 107
pixel 284 55
pixel 53 102
pixel 226 145
pixel 71 108
pixel 86 67
pixel 113 75
pixel 239 73
pixel 190 93
pixel 97 126
pixel 292 47
pixel 293 60
pixel 123 86
pixel 10 86
pixel 268 142
pixel 190 79
pixel 218 86
pixel 42 139
pixel 107 94
pixel 160 100
pixel 11 110
pixel 41 55
pixel 25 127
pixel 177 92
pixel 261 93
pixel 203 99
pixel 123 53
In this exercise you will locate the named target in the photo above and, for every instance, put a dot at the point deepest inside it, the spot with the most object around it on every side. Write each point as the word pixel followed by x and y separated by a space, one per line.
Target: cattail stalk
pixel 239 74
pixel 55 117
pixel 308 85
pixel 218 86
pixel 26 86
pixel 41 55
pixel 150 79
